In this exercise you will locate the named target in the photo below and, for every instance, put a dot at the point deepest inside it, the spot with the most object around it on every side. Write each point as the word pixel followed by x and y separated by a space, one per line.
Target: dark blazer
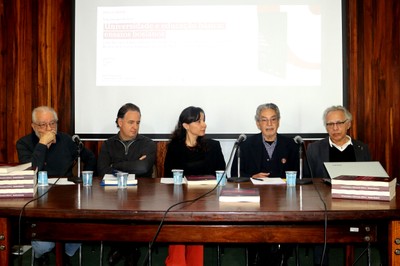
pixel 254 157
pixel 318 153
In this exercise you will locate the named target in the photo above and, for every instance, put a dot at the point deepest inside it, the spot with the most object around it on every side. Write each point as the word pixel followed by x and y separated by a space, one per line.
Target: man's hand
pixel 261 175
pixel 48 138
pixel 142 157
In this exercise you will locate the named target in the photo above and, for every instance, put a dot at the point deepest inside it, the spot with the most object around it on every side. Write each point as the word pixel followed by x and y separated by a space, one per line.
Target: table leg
pixel 394 243
pixel 59 253
pixel 349 254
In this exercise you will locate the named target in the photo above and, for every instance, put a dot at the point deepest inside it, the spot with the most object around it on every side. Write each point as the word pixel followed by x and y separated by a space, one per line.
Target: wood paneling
pixel 374 77
pixel 36 67
pixel 3 87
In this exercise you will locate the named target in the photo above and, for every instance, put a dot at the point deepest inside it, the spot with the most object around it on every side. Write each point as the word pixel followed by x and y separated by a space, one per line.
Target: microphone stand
pixel 237 179
pixel 238 160
pixel 302 181
pixel 78 179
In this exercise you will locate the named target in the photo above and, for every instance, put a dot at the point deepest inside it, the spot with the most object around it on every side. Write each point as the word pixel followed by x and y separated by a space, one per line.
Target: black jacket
pixel 59 159
pixel 318 153
pixel 113 156
pixel 254 157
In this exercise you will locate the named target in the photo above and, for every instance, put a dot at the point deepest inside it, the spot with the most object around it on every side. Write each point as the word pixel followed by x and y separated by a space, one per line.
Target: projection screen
pixel 224 56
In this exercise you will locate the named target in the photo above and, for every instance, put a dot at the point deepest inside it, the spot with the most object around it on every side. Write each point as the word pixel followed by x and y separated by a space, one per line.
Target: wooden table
pixel 77 213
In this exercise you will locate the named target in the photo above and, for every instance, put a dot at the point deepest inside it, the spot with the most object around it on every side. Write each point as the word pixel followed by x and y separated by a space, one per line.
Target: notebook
pixel 370 168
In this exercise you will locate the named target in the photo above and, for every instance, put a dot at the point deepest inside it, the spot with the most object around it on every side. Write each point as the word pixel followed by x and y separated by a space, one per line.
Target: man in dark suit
pixel 337 147
pixel 267 154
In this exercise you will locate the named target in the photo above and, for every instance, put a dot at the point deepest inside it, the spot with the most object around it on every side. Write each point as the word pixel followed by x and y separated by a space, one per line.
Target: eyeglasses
pixel 51 124
pixel 273 120
pixel 338 124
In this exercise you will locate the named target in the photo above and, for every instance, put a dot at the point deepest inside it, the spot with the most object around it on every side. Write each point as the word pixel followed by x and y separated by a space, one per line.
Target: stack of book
pixel 364 187
pixel 17 181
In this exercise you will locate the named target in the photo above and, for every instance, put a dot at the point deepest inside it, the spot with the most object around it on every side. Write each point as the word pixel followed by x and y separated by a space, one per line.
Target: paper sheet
pixel 61 181
pixel 268 181
pixel 170 180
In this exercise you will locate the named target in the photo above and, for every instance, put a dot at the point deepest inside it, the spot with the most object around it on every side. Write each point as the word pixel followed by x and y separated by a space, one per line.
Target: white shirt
pixel 344 146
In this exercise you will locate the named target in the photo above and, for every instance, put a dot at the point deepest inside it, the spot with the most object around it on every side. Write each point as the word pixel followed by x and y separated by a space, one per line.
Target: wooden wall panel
pixel 54 59
pixel 36 65
pixel 374 77
pixel 3 87
pixel 19 64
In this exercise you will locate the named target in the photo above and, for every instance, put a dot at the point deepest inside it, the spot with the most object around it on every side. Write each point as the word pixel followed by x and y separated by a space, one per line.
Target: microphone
pixel 299 140
pixel 240 139
pixel 77 140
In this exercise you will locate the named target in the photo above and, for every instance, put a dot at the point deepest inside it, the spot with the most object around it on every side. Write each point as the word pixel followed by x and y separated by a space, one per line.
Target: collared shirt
pixel 269 147
pixel 344 146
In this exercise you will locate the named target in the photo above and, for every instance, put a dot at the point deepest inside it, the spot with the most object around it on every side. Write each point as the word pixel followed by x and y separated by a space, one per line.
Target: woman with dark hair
pixel 196 155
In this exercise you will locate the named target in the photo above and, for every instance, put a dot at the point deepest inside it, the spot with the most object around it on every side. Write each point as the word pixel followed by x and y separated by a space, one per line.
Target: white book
pixel 7 169
pixel 111 180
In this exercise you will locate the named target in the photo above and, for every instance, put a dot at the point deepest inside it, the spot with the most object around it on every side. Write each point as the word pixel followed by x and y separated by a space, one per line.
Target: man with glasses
pixel 50 150
pixel 267 154
pixel 54 152
pixel 337 147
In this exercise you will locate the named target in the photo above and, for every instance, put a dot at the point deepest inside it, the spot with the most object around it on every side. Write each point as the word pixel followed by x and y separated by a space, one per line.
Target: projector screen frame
pixel 227 136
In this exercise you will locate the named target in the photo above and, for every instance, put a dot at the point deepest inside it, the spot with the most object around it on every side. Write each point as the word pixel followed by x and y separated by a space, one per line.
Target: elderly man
pixel 338 146
pixel 267 154
pixel 54 152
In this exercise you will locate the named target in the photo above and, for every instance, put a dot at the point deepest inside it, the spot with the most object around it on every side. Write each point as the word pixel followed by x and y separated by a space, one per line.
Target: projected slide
pixel 208 45
pixel 226 56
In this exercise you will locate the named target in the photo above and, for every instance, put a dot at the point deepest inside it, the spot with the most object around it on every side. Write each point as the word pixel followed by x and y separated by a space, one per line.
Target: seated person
pixel 130 152
pixel 267 154
pixel 196 155
pixel 337 147
pixel 54 152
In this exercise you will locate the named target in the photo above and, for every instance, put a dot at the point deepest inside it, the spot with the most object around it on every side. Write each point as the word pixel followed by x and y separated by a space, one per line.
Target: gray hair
pixel 264 106
pixel 43 109
pixel 347 114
